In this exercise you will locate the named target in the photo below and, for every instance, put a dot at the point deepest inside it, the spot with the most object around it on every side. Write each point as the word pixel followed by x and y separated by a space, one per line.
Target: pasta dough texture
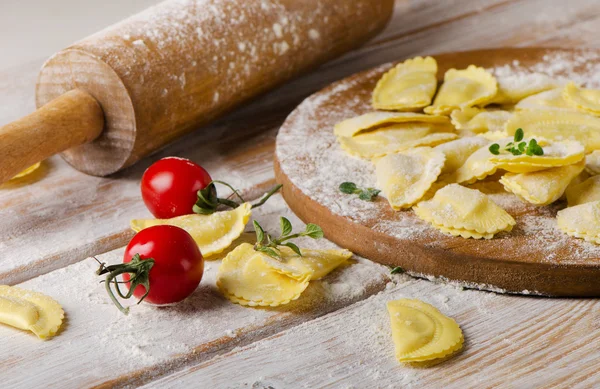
pixel 376 120
pixel 558 125
pixel 549 100
pixel 584 192
pixel 405 177
pixel 585 100
pixel 27 171
pixel 463 88
pixel 213 233
pixel 421 333
pixel 457 152
pixel 581 221
pixel 592 162
pixel 541 187
pixel 477 120
pixel 396 138
pixel 515 87
pixel 408 86
pixel 30 311
pixel 477 166
pixel 460 211
pixel 249 277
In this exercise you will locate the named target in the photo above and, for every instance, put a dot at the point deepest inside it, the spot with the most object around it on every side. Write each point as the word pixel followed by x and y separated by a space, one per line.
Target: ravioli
pixel 376 120
pixel 542 187
pixel 549 100
pixel 463 88
pixel 558 125
pixel 477 166
pixel 585 100
pixel 515 87
pixel 457 152
pixel 396 138
pixel 584 192
pixel 27 171
pixel 477 120
pixel 252 278
pixel 30 311
pixel 213 233
pixel 465 212
pixel 592 162
pixel 408 86
pixel 421 333
pixel 405 177
pixel 555 154
pixel 581 221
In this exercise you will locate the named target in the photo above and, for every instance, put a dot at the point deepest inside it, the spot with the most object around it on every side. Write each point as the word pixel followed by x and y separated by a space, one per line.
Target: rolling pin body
pixel 180 64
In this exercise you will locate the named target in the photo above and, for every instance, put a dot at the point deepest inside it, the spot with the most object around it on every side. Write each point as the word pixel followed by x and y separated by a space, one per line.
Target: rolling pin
pixel 117 96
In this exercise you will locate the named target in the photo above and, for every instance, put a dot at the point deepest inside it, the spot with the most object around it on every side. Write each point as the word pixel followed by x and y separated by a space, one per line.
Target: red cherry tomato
pixel 178 263
pixel 170 186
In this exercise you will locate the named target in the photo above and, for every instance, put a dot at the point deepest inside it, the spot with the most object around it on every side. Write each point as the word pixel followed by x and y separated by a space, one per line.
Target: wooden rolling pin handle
pixel 71 119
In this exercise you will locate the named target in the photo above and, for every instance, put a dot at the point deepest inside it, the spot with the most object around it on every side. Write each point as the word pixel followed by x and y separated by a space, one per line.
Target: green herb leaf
pixel 495 149
pixel 519 134
pixel 397 270
pixel 293 247
pixel 269 251
pixel 286 226
pixel 348 187
pixel 260 233
pixel 369 194
pixel 522 146
pixel 313 231
pixel 515 151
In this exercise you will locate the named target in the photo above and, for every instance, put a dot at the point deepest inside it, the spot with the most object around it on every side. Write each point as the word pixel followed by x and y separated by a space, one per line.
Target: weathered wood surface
pixel 511 342
pixel 99 345
pixel 64 216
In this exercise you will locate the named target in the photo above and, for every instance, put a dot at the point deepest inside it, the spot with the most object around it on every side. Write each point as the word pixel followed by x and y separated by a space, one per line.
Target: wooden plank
pixel 353 347
pixel 98 345
pixel 59 216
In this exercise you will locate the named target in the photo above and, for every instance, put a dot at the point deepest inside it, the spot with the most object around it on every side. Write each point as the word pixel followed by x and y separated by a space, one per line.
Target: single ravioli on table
pixel 253 278
pixel 421 332
pixel 30 311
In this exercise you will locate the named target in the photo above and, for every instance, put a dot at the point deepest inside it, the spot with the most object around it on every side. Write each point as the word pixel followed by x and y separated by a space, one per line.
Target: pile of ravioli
pixel 429 143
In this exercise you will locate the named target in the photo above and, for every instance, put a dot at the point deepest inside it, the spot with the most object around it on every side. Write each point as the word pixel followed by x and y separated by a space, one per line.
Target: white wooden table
pixel 337 334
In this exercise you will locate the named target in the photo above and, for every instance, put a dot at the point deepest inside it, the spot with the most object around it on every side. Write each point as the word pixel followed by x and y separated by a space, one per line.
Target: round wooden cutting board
pixel 534 258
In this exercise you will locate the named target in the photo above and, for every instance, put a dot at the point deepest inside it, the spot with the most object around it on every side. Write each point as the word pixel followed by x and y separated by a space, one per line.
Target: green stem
pixel 266 197
pixel 232 189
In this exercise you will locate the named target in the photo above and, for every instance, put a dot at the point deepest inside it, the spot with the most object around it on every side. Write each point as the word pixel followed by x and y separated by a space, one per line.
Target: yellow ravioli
pixel 408 86
pixel 27 171
pixel 213 233
pixel 584 192
pixel 555 154
pixel 515 87
pixel 421 332
pixel 476 167
pixel 248 277
pixel 456 209
pixel 30 311
pixel 549 100
pixel 404 178
pixel 542 187
pixel 581 221
pixel 585 100
pixel 375 120
pixel 558 125
pixel 463 88
pixel 477 120
pixel 256 279
pixel 457 152
pixel 592 162
pixel 396 138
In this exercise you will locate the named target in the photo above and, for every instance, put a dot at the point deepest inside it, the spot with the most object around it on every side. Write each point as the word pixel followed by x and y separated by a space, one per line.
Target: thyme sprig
pixel 269 245
pixel 519 146
pixel 366 194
